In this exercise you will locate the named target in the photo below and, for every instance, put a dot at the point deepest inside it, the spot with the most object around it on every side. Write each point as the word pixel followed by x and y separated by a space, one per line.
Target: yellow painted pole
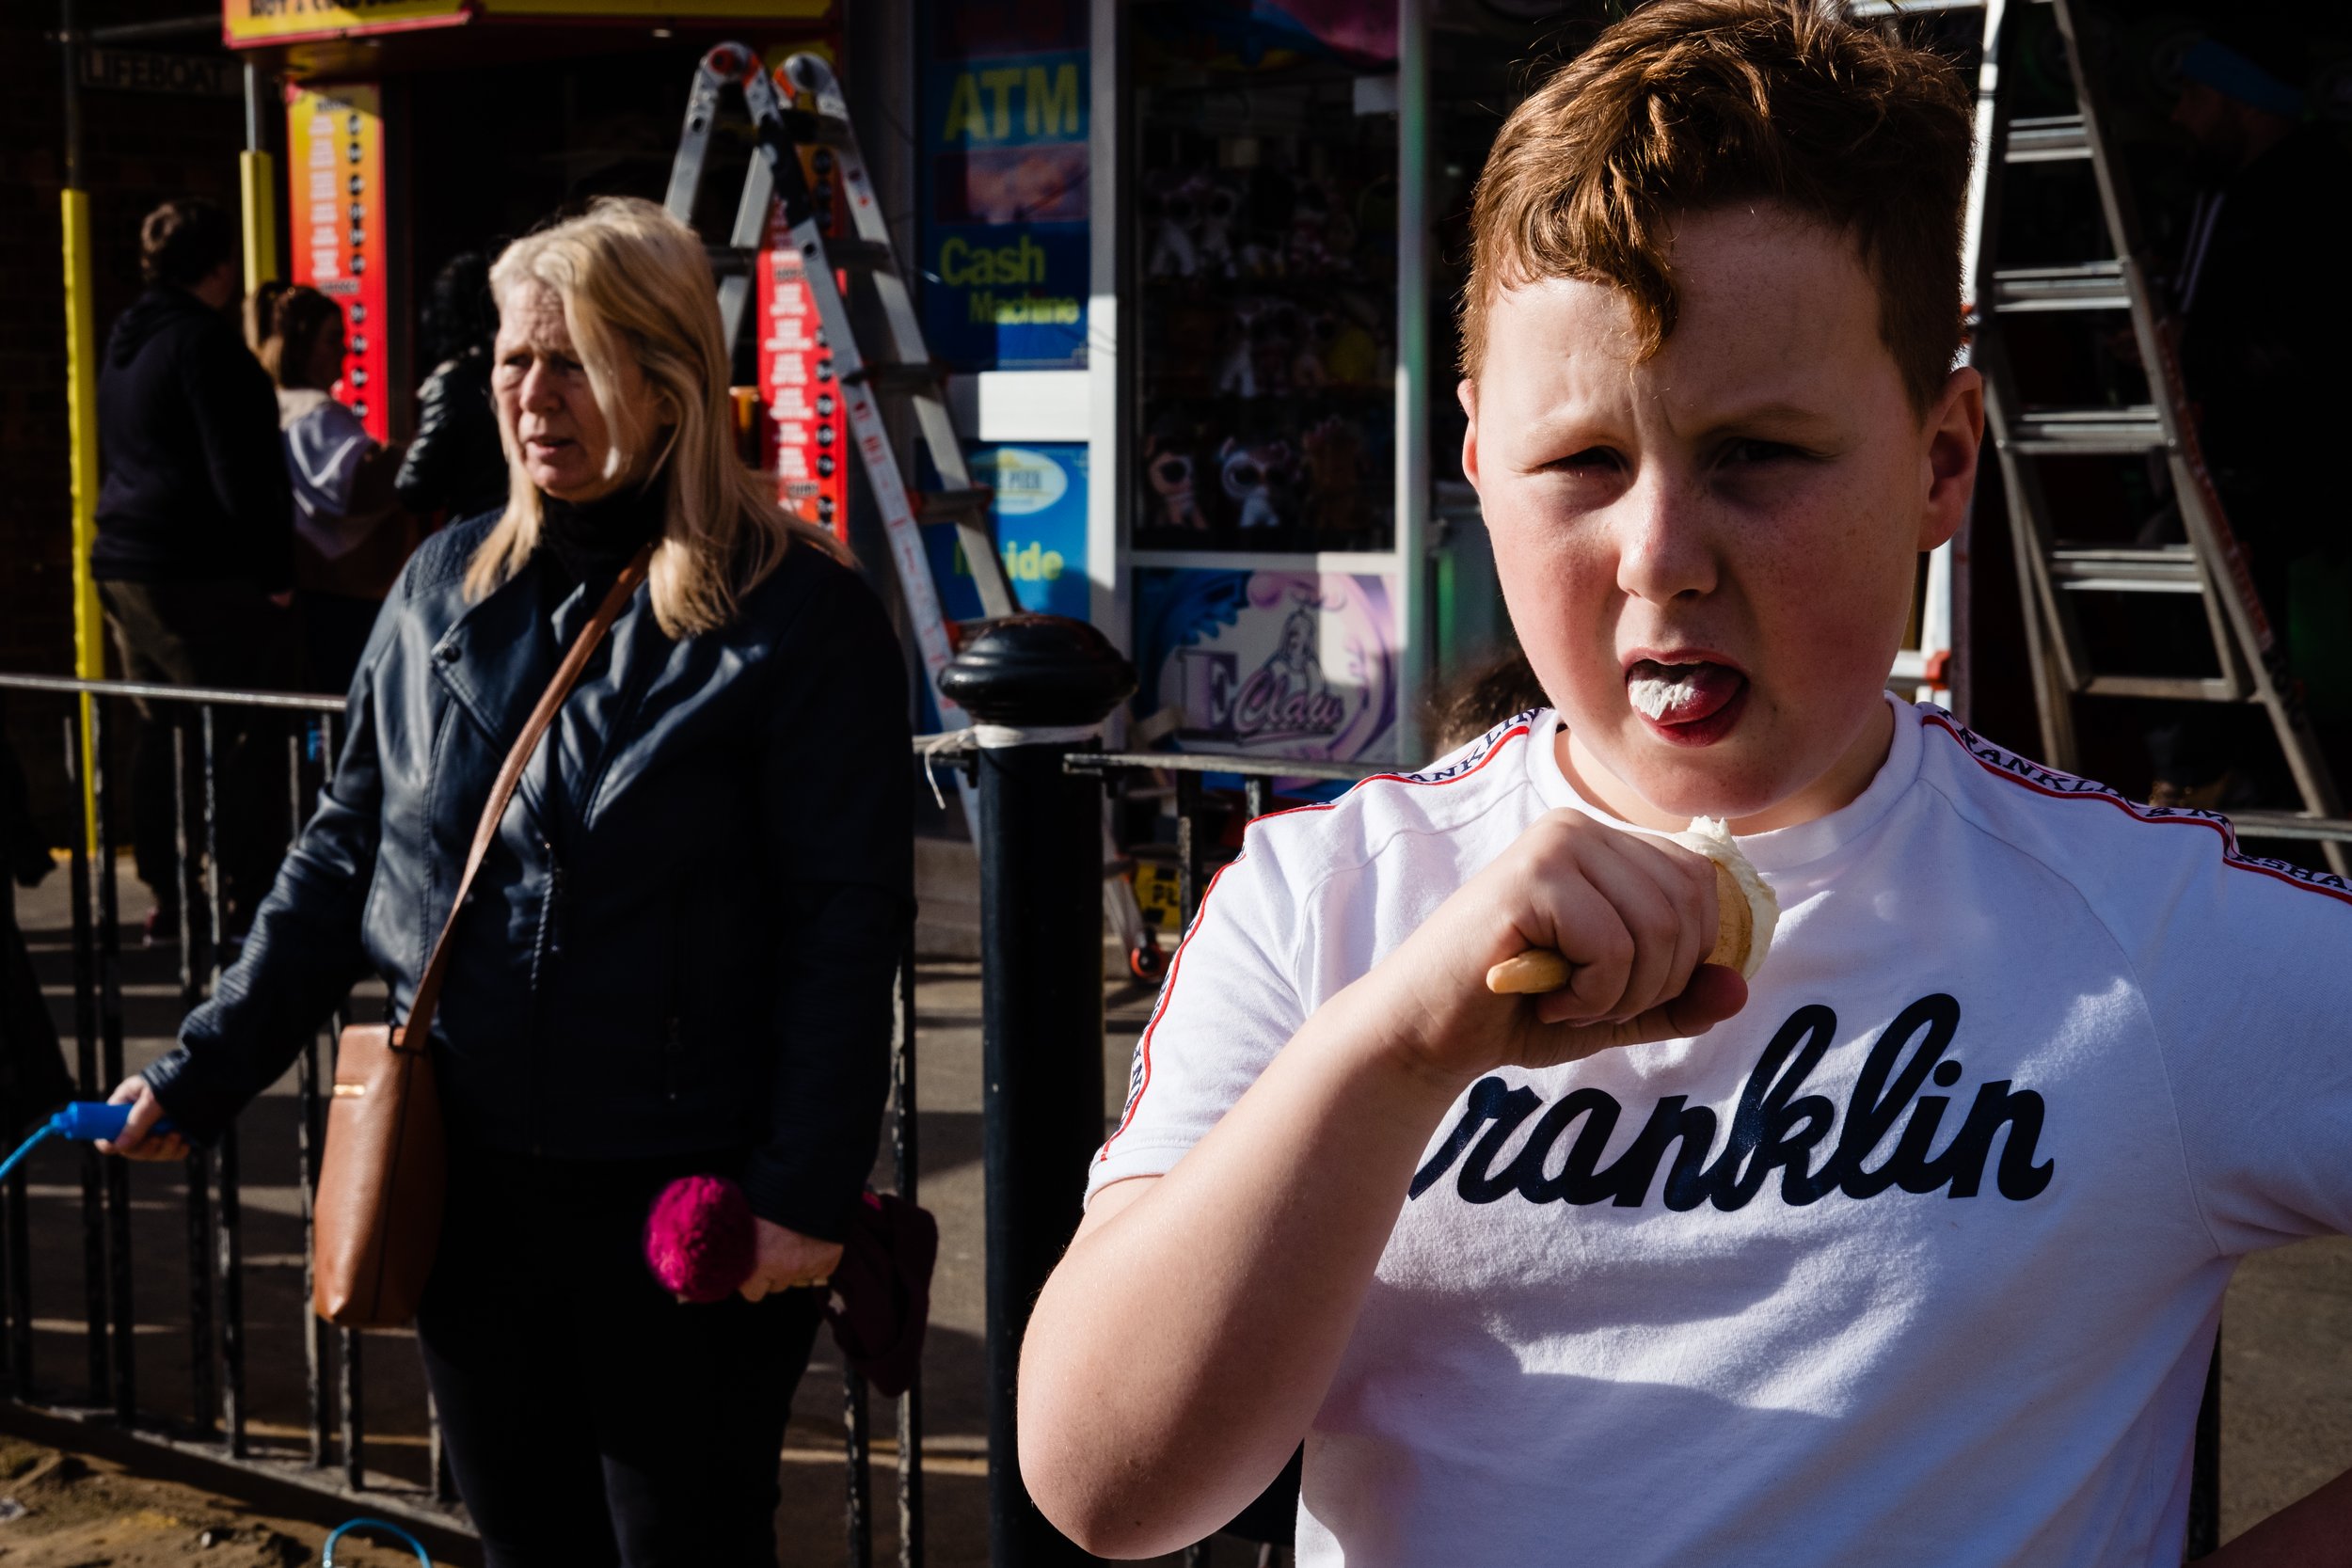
pixel 257 189
pixel 81 381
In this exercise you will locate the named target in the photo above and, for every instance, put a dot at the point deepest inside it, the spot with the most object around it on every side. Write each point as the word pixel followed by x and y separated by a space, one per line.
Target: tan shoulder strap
pixel 420 1022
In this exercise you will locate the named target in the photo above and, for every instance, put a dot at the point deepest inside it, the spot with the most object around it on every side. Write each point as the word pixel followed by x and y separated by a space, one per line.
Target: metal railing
pixel 332 1451
pixel 1036 687
pixel 1039 793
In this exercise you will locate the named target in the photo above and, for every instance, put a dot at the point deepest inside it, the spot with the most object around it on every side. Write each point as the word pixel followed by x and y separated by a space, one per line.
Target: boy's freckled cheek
pixel 1556 576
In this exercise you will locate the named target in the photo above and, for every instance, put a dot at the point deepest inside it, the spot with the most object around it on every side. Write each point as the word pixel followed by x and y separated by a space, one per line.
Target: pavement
pixel 2287 1349
pixel 813 1522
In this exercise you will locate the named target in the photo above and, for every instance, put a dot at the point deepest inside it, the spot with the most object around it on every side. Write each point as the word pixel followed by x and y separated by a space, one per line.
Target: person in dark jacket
pixel 2265 329
pixel 194 527
pixel 453 464
pixel 680 955
pixel 2266 332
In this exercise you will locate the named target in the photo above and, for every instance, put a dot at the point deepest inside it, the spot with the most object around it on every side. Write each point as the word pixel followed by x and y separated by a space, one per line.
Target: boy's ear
pixel 1955 433
pixel 1466 390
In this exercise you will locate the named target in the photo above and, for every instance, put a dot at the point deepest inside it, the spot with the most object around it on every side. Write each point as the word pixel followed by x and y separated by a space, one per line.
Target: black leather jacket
pixel 688 945
pixel 454 460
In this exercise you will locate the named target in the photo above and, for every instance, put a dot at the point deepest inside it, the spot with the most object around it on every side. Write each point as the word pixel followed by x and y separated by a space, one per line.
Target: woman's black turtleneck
pixel 589 543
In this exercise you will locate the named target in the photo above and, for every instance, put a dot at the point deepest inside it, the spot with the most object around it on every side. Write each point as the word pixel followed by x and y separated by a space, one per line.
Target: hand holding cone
pixel 1746 913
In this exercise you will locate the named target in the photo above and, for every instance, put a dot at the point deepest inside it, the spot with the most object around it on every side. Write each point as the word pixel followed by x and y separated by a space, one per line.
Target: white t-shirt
pixel 326 444
pixel 1916 1261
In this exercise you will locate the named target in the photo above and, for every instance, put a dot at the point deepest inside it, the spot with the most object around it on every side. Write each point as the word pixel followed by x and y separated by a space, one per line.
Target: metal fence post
pixel 17 1253
pixel 85 1065
pixel 1036 685
pixel 105 875
pixel 905 1145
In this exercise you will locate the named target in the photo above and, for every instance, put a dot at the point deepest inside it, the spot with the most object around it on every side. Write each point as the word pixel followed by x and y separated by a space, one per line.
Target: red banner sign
pixel 804 440
pixel 336 215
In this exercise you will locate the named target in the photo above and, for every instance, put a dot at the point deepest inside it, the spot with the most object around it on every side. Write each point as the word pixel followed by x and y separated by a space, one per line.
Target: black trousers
pixel 592 1419
pixel 222 634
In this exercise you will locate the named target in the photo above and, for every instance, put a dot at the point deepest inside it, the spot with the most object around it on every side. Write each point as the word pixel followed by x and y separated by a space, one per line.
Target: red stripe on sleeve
pixel 1176 963
pixel 2027 775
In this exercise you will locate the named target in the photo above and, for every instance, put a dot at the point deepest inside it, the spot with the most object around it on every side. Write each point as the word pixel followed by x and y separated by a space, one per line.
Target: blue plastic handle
pixel 89 1119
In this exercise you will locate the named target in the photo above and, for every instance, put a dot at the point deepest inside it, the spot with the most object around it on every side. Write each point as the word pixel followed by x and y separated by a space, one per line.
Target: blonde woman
pixel 680 955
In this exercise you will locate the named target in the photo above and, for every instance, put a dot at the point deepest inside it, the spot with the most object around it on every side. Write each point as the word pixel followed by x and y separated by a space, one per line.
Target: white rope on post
pixel 947 743
pixel 991 737
pixel 954 743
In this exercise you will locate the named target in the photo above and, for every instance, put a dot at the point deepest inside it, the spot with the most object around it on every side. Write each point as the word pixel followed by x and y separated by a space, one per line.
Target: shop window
pixel 1265 273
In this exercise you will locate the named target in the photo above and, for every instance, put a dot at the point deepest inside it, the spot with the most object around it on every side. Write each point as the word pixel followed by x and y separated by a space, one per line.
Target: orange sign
pixel 245 23
pixel 335 214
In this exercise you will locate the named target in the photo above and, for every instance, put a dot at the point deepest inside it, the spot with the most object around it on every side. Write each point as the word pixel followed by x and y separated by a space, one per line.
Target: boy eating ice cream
pixel 1909 1250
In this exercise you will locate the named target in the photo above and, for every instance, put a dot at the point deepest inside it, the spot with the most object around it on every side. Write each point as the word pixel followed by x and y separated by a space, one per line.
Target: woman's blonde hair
pixel 637 287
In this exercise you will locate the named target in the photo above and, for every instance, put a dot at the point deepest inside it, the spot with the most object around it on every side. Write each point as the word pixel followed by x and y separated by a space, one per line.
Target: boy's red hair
pixel 1690 104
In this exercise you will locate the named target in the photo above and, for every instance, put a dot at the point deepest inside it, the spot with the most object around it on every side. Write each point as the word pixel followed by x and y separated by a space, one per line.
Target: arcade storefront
pixel 1192 267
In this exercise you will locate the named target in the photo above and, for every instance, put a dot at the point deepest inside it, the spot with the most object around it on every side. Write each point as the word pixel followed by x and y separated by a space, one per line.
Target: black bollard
pixel 1036 685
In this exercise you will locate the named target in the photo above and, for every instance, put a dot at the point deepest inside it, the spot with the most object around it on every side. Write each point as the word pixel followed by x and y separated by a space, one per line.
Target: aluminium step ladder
pixel 2209 565
pixel 1935 669
pixel 2052 569
pixel 802 108
pixel 904 373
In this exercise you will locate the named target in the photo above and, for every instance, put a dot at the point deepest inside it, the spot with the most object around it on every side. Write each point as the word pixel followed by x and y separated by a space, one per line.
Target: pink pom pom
pixel 700 1240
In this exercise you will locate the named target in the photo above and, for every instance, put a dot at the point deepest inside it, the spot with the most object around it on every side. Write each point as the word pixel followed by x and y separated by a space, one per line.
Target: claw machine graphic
pixel 1274 579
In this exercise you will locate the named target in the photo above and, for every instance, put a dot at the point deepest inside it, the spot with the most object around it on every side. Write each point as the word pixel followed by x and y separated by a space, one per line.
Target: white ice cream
pixel 1658 698
pixel 1711 836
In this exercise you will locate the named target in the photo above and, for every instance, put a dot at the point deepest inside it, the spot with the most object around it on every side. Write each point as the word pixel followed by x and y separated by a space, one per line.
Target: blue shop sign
pixel 1004 198
pixel 1040 518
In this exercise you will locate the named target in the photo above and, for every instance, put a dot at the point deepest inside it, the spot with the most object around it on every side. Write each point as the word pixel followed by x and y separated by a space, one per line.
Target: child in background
pixel 351 535
pixel 1481 698
pixel 1909 1251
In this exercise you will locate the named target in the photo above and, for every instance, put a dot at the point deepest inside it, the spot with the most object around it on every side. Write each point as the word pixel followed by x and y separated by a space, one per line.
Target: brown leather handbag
pixel 377 1219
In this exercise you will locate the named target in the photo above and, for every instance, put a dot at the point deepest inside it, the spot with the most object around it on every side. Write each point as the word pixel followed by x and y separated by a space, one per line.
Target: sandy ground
pixel 60 1509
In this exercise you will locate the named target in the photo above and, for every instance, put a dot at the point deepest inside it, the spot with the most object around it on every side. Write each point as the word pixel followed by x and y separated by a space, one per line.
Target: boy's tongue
pixel 1680 693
